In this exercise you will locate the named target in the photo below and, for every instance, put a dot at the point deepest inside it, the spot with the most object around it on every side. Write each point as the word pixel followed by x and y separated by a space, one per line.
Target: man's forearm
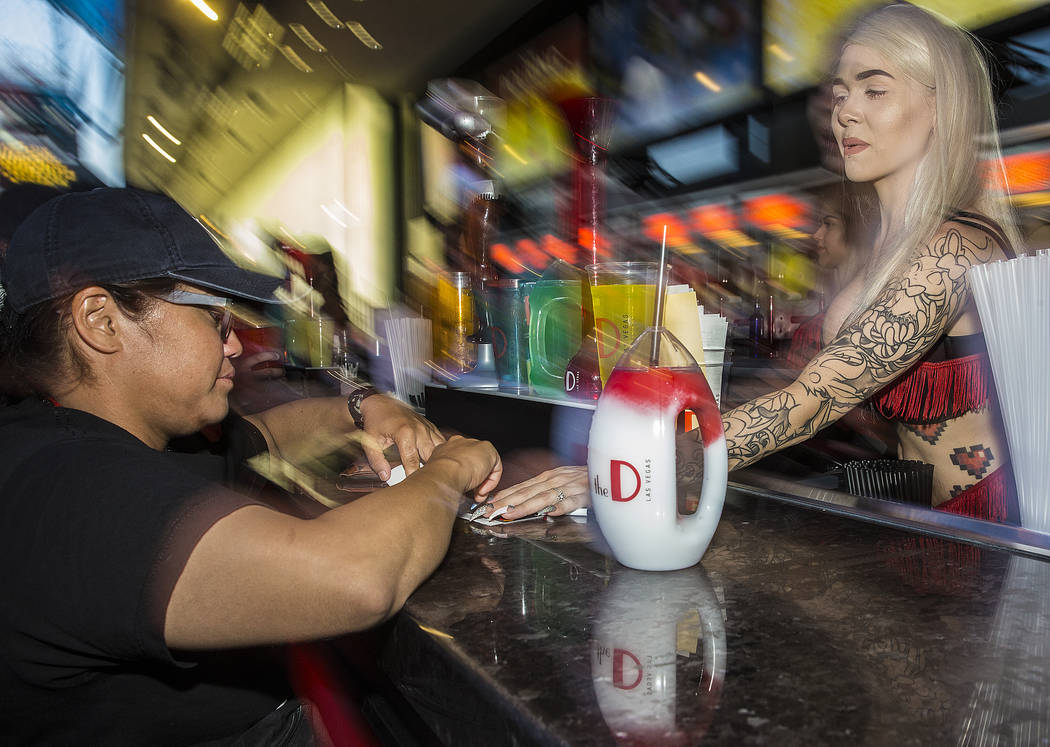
pixel 404 530
pixel 305 429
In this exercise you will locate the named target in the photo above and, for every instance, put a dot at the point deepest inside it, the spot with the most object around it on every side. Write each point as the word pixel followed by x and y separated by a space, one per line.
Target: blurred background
pixel 349 140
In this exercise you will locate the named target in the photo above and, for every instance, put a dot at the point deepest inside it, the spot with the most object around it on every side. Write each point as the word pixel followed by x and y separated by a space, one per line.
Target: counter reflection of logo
pixel 658 656
pixel 634 669
pixel 617 482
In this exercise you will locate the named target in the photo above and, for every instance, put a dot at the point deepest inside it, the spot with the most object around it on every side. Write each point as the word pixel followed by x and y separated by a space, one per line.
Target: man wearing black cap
pixel 128 567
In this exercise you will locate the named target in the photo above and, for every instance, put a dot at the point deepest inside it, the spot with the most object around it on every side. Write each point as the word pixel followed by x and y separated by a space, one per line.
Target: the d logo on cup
pixel 616 478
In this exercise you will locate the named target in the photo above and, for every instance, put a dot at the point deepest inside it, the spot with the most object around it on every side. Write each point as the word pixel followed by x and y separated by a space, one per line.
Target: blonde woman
pixel 913 117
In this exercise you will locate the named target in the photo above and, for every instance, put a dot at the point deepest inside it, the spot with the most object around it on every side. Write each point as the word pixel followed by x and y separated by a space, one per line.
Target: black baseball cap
pixel 117 235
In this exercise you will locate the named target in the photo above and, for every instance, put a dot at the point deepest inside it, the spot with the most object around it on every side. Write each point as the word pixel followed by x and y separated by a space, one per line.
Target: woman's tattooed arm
pixel 909 316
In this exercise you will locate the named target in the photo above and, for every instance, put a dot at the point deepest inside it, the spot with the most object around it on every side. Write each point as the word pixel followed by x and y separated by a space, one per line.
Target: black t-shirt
pixel 96 528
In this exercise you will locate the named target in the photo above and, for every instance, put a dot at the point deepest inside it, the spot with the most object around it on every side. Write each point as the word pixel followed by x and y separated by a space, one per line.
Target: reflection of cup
pixel 454 323
pixel 622 294
pixel 510 334
pixel 654 635
pixel 554 332
pixel 320 332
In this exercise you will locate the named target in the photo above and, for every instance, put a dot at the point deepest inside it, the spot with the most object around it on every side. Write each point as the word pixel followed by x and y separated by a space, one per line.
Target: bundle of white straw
pixel 713 329
pixel 1013 299
pixel 410 343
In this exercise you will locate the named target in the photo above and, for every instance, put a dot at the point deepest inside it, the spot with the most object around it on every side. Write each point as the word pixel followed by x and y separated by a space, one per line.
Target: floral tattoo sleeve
pixel 904 322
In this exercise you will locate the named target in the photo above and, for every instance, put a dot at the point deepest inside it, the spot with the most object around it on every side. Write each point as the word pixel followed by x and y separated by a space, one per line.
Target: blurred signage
pixel 531 79
pixel 104 18
pixel 1028 172
pixel 62 86
pixel 673 65
pixel 718 222
pixel 34 164
pixel 677 230
pixel 779 214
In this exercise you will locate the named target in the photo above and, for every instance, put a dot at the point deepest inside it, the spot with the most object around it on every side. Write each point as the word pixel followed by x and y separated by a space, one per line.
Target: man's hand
pixel 476 464
pixel 258 576
pixel 390 423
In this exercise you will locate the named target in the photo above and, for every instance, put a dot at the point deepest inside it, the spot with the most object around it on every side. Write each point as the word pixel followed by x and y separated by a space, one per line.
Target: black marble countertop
pixel 799 626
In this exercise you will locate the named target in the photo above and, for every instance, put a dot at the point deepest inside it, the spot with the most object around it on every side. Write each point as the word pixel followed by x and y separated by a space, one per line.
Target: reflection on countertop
pixel 798 626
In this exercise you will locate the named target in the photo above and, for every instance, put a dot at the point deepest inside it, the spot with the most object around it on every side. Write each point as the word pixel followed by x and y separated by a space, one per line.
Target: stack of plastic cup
pixel 1013 299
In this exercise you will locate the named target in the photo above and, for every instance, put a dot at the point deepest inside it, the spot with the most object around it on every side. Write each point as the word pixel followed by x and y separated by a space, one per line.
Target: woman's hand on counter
pixel 564 488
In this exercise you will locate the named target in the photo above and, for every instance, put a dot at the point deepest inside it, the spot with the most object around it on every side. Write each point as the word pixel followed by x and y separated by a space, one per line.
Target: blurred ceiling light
pixel 777 50
pixel 331 215
pixel 325 13
pixel 211 226
pixel 295 59
pixel 156 147
pixel 703 79
pixel 251 36
pixel 346 210
pixel 363 36
pixel 204 8
pixel 338 67
pixel 307 38
pixel 160 128
pixel 289 237
pixel 514 154
pixel 218 104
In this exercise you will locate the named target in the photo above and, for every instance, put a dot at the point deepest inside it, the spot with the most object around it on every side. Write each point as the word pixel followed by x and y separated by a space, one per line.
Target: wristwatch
pixel 353 404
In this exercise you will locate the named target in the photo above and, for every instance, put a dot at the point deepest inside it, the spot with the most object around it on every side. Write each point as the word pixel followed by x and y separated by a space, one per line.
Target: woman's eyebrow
pixel 871 73
pixel 863 74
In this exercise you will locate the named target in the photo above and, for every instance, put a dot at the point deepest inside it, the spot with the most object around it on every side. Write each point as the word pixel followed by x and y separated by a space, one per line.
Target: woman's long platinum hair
pixel 963 169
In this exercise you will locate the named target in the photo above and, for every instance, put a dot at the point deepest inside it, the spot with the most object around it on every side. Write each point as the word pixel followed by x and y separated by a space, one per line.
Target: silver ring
pixel 561 495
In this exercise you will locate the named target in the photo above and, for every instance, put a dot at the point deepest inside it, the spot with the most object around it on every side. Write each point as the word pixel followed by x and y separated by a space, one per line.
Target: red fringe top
pixel 933 392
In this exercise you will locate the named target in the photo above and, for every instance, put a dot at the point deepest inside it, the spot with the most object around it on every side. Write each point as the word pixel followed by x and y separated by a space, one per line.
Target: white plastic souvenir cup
pixel 631 461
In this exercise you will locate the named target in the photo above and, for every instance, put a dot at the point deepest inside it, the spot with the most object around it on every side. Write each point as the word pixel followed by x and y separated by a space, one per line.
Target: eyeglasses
pixel 218 307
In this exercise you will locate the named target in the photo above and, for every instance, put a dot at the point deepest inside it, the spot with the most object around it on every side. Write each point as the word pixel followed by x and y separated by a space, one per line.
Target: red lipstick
pixel 852 146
